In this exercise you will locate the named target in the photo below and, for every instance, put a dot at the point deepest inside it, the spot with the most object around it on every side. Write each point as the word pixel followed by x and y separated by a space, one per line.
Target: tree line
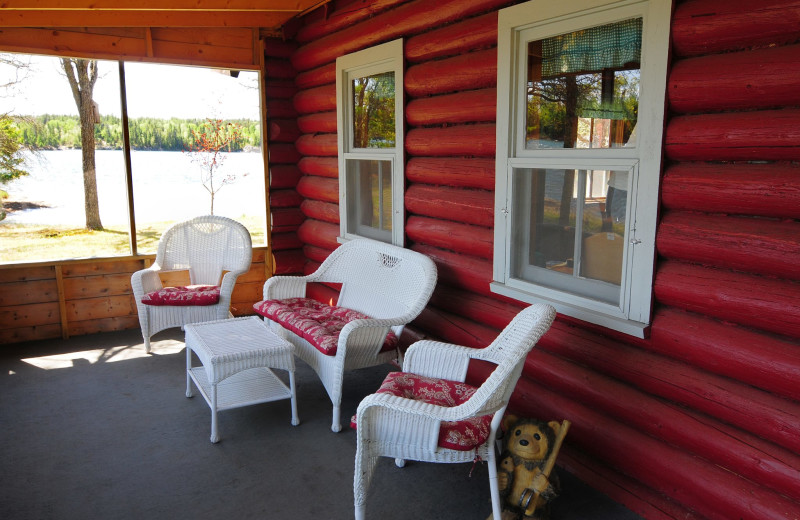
pixel 49 132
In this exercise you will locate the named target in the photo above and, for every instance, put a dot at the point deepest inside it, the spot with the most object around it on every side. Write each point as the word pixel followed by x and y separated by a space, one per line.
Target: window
pixel 167 107
pixel 579 156
pixel 369 90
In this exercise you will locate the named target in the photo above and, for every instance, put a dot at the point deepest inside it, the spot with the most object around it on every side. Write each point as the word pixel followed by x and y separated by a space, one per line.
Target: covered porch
pixel 95 428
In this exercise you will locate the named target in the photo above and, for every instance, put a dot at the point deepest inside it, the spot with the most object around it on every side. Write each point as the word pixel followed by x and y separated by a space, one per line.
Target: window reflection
pixel 373 111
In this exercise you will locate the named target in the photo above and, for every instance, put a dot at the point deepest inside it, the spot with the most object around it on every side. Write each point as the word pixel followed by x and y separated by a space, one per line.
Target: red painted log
pixel 316 254
pixel 746 136
pixel 689 480
pixel 283 176
pixel 322 293
pixel 720 444
pixel 287 217
pixel 343 17
pixel 320 122
pixel 410 18
pixel 475 172
pixel 317 77
pixel 466 72
pixel 289 262
pixel 279 89
pixel 746 244
pixel 765 190
pixel 453 328
pixel 457 204
pixel 283 130
pixel 476 307
pixel 635 496
pixel 748 408
pixel 283 153
pixel 284 198
pixel 320 234
pixel 279 48
pixel 754 301
pixel 461 271
pixel 761 360
pixel 276 68
pixel 280 108
pixel 457 38
pixel 473 106
pixel 285 241
pixel 318 99
pixel 322 166
pixel 470 140
pixel 762 78
pixel 319 188
pixel 319 210
pixel 462 238
pixel 317 144
pixel 707 26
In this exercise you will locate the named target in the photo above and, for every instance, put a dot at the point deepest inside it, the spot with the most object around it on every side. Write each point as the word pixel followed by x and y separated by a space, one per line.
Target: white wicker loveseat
pixel 203 248
pixel 384 287
pixel 427 413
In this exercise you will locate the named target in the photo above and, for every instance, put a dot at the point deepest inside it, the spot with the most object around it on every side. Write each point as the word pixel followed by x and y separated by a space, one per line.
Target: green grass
pixel 36 243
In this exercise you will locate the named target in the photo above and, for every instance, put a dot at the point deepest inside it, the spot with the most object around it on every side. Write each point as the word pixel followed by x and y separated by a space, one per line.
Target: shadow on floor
pixel 92 428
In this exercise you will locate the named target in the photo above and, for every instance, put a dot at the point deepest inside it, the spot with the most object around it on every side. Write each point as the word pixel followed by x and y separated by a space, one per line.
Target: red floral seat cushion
pixel 316 322
pixel 183 295
pixel 455 435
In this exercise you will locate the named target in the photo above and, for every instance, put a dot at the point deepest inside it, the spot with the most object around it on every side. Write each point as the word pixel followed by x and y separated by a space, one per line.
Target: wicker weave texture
pixel 206 246
pixel 404 429
pixel 390 284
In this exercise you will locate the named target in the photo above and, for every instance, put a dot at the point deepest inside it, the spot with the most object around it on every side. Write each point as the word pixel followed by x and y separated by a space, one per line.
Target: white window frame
pixel 387 57
pixel 538 19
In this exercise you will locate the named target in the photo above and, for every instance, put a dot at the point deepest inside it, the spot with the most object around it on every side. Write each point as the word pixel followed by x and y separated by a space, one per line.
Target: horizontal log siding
pixel 712 391
pixel 284 175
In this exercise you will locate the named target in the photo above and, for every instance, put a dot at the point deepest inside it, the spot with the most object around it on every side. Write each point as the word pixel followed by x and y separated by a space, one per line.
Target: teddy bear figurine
pixel 524 467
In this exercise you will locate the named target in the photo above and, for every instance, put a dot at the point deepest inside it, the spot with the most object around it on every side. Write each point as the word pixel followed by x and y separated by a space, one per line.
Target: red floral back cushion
pixel 316 322
pixel 183 295
pixel 455 435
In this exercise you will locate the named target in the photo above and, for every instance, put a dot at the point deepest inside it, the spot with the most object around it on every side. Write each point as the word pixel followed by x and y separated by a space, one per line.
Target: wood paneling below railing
pixel 76 297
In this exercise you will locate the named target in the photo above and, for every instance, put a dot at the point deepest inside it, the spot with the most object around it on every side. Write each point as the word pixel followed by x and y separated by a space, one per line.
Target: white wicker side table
pixel 237 356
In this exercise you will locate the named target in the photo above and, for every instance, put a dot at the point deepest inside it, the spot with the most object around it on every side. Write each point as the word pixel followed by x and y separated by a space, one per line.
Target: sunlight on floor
pixel 109 355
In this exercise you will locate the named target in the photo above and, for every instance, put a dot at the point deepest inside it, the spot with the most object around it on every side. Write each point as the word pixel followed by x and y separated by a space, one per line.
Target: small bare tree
pixel 210 142
pixel 82 76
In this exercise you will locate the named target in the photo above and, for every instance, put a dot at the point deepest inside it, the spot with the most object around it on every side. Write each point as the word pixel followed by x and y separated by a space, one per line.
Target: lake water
pixel 166 187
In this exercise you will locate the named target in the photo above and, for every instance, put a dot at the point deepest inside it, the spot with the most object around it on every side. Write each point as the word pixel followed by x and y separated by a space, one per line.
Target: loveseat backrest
pixel 378 279
pixel 206 246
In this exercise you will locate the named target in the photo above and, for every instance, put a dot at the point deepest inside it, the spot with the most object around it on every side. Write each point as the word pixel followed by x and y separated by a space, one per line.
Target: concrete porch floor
pixel 93 428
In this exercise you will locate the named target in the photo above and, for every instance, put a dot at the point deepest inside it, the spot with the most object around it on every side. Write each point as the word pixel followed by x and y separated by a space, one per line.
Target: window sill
pixel 632 328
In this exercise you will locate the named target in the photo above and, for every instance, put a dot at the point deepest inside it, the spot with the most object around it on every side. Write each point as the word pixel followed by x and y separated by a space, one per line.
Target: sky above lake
pixel 159 91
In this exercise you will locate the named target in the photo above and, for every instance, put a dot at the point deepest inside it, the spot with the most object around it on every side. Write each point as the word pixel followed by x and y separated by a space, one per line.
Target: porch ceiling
pixel 265 14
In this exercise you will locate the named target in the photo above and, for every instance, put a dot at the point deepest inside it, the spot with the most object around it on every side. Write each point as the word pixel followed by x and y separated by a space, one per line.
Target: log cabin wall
pixel 701 419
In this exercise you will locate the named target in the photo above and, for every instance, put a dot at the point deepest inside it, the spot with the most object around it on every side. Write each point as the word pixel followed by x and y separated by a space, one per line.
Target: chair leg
pixel 336 424
pixel 361 512
pixel 147 344
pixel 497 505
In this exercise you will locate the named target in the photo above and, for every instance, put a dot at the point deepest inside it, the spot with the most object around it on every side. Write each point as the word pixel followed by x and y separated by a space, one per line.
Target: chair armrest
pixel 145 281
pixel 438 360
pixel 228 281
pixel 282 287
pixel 364 334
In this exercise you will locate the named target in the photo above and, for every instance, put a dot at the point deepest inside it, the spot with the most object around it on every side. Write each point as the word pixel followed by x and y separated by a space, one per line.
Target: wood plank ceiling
pixel 217 33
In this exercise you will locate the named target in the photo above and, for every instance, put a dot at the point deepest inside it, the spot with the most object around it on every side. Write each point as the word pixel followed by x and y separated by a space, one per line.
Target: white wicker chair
pixel 392 426
pixel 389 284
pixel 206 246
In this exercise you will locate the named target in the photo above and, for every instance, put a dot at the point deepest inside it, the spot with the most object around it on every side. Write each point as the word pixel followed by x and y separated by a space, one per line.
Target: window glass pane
pixel 583 87
pixel 56 210
pixel 370 184
pixel 373 111
pixel 195 148
pixel 568 229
